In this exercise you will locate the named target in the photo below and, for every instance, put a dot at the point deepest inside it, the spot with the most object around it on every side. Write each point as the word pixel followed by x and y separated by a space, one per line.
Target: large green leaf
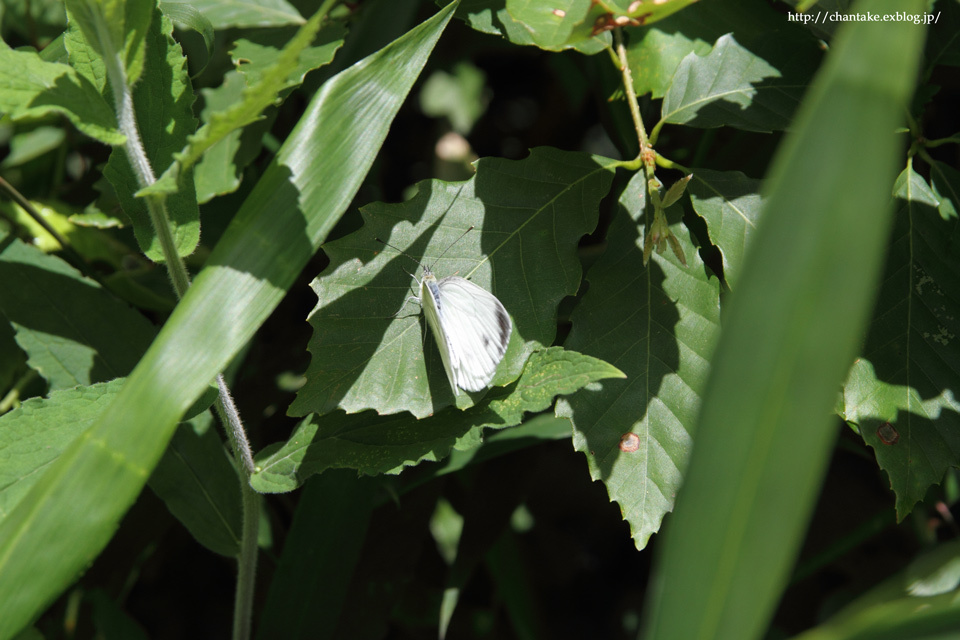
pixel 529 215
pixel 902 392
pixel 73 331
pixel 791 330
pixel 73 510
pixel 30 88
pixel 753 85
pixel 658 325
pixel 375 444
pixel 730 203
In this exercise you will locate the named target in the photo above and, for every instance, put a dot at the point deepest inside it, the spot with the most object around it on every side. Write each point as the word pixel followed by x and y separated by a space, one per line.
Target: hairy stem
pixel 156 205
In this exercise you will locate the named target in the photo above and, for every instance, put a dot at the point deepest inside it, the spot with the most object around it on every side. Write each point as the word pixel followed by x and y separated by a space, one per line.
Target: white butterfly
pixel 470 325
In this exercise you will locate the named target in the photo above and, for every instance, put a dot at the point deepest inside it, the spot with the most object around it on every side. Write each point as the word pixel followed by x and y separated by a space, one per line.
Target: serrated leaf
pixel 115 29
pixel 31 88
pixel 224 14
pixel 730 203
pixel 367 348
pixel 70 514
pixel 259 50
pixel 906 377
pixel 374 444
pixel 74 332
pixel 256 98
pixel 164 100
pixel 221 167
pixel 739 86
pixel 658 325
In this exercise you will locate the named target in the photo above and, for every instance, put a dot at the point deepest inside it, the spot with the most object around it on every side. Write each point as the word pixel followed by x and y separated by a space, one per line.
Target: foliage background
pixel 542 552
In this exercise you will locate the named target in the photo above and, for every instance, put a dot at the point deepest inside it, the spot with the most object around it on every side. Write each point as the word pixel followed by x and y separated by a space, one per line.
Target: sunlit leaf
pixel 368 350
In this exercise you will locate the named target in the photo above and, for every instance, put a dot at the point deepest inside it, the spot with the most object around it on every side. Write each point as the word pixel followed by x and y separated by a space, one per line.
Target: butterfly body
pixel 471 328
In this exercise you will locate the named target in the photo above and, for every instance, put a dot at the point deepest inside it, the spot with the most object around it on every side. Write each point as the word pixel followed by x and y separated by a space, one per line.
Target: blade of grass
pixel 790 334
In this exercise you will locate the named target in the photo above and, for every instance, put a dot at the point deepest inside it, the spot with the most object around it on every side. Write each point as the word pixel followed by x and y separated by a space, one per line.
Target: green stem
pixel 156 205
pixel 631 92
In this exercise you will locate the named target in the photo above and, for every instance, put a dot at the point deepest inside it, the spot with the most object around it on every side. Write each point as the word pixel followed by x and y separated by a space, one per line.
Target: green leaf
pixel 199 485
pixel 550 23
pixel 320 555
pixel 221 167
pixel 70 514
pixel 33 144
pixel 115 28
pixel 259 51
pixel 257 97
pixel 655 51
pixel 186 16
pixel 386 444
pixel 730 203
pixel 224 14
pixel 790 332
pixel 163 101
pixel 919 602
pixel 35 434
pixel 461 97
pixel 494 17
pixel 658 325
pixel 529 215
pixel 31 88
pixel 74 332
pixel 906 377
pixel 752 88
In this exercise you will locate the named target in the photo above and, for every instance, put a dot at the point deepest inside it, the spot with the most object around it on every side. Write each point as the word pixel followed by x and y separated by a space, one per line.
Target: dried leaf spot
pixel 629 442
pixel 888 434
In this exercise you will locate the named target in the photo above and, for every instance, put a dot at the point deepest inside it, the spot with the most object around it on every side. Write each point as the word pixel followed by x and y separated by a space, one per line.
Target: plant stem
pixel 156 205
pixel 631 92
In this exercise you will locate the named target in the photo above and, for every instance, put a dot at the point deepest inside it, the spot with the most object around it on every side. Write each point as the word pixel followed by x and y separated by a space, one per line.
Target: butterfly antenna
pixel 400 251
pixel 451 245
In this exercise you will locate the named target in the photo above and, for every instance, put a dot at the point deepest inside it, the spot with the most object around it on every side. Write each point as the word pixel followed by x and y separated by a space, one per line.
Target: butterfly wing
pixel 475 331
pixel 430 302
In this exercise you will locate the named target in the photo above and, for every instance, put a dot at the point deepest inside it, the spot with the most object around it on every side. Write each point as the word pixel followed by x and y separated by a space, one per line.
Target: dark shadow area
pixel 70 309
